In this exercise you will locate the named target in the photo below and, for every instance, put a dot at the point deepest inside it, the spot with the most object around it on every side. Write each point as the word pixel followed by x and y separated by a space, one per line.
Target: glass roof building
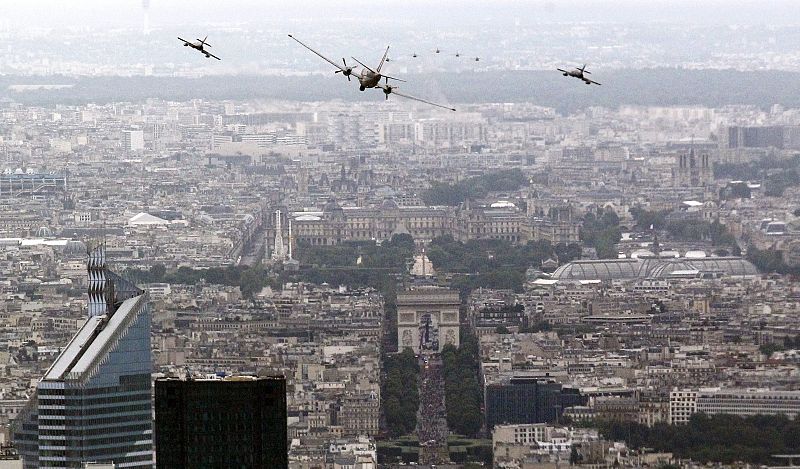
pixel 94 402
pixel 655 268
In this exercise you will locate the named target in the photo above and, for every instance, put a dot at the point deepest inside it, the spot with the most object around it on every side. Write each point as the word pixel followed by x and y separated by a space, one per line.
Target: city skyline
pixel 453 255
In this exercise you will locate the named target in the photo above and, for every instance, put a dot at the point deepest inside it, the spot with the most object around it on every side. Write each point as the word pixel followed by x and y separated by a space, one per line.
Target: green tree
pixel 463 391
pixel 474 187
pixel 400 392
pixel 157 272
pixel 601 231
pixel 252 281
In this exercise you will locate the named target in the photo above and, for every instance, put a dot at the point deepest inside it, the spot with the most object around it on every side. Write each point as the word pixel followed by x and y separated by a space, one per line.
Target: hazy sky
pixel 169 13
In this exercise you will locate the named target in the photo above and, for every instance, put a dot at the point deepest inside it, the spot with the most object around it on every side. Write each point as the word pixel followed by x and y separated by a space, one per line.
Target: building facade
pixel 234 422
pixel 94 402
pixel 518 400
pixel 335 224
pixel 742 402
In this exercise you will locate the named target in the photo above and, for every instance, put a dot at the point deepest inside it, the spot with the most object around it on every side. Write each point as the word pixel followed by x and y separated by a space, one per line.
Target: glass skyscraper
pixel 94 403
pixel 234 422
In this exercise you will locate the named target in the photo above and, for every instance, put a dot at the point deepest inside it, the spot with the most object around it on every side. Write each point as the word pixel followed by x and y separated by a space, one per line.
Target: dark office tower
pixel 527 400
pixel 219 423
pixel 94 403
pixel 756 137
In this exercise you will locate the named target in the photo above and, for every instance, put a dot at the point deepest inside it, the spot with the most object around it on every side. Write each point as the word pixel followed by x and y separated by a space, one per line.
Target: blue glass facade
pixel 94 403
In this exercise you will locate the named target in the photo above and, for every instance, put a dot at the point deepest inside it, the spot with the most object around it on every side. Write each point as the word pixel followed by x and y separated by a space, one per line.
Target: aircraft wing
pixel 184 40
pixel 560 70
pixel 392 78
pixel 392 91
pixel 318 54
pixel 211 55
pixel 360 63
pixel 591 81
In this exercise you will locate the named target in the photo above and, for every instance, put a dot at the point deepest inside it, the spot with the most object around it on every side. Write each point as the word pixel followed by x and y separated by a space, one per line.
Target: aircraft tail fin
pixel 383 60
pixel 203 41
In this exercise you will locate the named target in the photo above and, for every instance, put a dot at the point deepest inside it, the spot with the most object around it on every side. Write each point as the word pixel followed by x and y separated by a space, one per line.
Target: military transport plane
pixel 200 45
pixel 368 78
pixel 389 89
pixel 579 73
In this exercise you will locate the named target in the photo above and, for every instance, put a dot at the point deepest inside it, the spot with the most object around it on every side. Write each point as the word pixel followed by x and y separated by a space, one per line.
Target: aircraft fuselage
pixel 194 46
pixel 368 79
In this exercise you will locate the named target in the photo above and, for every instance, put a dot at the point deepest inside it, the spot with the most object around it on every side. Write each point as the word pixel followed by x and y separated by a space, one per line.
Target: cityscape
pixel 248 262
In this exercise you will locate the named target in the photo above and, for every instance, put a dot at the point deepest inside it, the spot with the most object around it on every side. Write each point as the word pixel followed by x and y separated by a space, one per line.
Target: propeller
pixel 347 71
pixel 387 89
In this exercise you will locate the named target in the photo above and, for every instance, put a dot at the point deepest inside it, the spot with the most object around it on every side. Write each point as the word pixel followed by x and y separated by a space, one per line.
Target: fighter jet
pixel 390 89
pixel 200 45
pixel 344 70
pixel 579 73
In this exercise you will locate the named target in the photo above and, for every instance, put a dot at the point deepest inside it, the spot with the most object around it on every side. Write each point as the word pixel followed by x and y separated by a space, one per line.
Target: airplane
pixel 438 50
pixel 413 56
pixel 579 73
pixel 458 54
pixel 200 46
pixel 477 59
pixel 389 89
pixel 370 78
pixel 344 70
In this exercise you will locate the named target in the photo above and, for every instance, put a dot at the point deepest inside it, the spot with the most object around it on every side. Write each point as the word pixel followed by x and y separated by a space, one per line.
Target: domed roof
pixel 629 269
pixel 389 204
pixel 607 269
pixel 668 267
pixel 503 204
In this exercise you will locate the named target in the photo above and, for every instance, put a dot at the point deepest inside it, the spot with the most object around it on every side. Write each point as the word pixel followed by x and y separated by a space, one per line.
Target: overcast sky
pixel 169 13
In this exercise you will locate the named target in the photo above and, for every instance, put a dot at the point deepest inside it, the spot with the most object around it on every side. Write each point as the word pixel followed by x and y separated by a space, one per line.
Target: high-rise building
pixel 527 400
pixel 133 140
pixel 756 137
pixel 233 422
pixel 94 402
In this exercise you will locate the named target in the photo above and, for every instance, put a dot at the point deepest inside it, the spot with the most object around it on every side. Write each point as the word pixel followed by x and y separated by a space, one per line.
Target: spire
pixel 290 238
pixel 656 246
pixel 279 250
pixel 96 268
